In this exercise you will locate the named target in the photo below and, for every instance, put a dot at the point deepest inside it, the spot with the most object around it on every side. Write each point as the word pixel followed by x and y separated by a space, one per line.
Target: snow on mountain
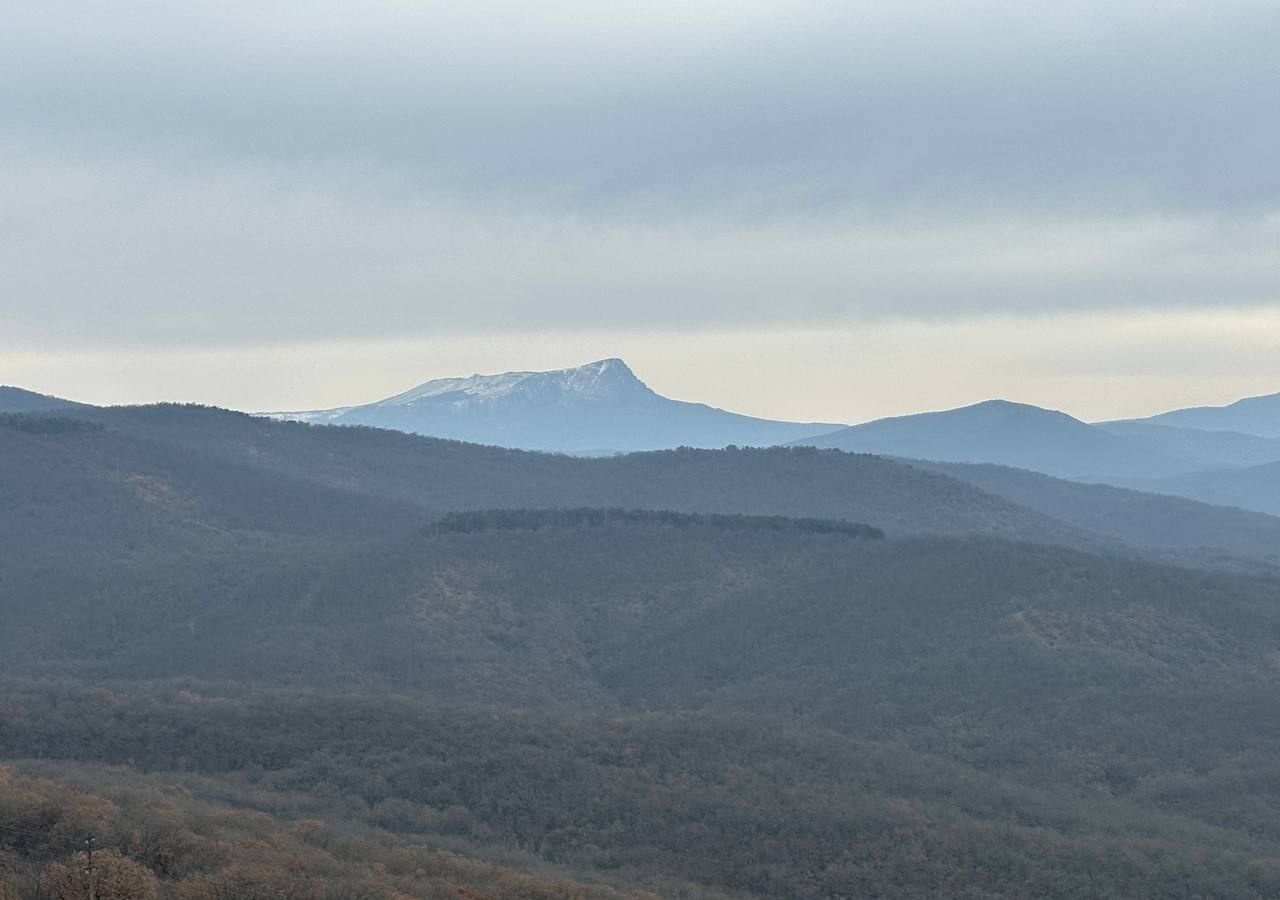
pixel 598 407
pixel 603 379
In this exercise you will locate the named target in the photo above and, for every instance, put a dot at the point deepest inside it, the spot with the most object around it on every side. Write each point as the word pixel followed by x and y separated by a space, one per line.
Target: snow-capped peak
pixel 597 379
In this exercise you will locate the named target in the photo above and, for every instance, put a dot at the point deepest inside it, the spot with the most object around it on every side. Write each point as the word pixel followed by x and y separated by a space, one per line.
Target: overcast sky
pixel 817 210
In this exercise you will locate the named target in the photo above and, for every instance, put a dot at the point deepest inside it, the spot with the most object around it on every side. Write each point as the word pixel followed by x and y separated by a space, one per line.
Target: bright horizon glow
pixel 801 210
pixel 1225 357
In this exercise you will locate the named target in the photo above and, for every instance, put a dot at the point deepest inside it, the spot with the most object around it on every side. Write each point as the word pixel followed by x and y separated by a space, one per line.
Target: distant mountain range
pixel 1253 415
pixel 18 400
pixel 257 457
pixel 897 678
pixel 1222 455
pixel 603 407
pixel 596 408
pixel 1011 434
pixel 1254 487
pixel 205 598
pixel 1029 437
pixel 1226 455
pixel 1204 449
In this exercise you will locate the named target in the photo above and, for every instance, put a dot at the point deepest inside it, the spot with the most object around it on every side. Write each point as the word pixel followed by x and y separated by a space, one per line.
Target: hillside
pixel 441 476
pixel 948 642
pixel 628 693
pixel 1254 488
pixel 595 408
pixel 68 479
pixel 1206 449
pixel 903 497
pixel 18 400
pixel 1009 434
pixel 711 807
pixel 105 537
pixel 1138 518
pixel 154 841
pixel 945 642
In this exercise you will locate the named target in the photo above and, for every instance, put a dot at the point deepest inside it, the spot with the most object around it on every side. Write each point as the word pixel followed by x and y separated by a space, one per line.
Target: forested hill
pixel 712 674
pixel 442 476
pixel 1253 488
pixel 18 400
pixel 536 519
pixel 878 637
pixel 901 497
pixel 705 808
pixel 71 480
pixel 1138 518
pixel 158 841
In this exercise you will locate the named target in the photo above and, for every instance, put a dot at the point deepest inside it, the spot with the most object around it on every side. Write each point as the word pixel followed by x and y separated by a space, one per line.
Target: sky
pixel 809 210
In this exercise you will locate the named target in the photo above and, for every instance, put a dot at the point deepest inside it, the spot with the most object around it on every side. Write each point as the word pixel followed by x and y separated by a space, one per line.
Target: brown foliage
pixel 116 878
pixel 163 841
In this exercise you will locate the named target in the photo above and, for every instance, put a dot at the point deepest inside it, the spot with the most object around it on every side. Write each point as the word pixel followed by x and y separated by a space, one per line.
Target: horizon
pixel 779 450
pixel 789 210
pixel 640 377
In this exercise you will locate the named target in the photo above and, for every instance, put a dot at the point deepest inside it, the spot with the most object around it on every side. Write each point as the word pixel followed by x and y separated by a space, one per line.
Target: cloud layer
pixel 224 175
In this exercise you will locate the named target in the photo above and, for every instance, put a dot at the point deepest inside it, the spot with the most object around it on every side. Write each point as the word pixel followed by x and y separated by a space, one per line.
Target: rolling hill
pixel 442 476
pixel 1204 449
pixel 1254 488
pixel 327 622
pixel 1138 518
pixel 1009 434
pixel 155 840
pixel 1043 666
pixel 705 808
pixel 18 400
pixel 125 535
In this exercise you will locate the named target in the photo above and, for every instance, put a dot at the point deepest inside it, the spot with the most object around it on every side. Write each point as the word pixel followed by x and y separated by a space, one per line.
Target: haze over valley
pixel 1220 455
pixel 664 451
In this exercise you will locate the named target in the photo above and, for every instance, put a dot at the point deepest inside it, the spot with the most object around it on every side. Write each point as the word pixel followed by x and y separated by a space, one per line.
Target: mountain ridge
pixel 1005 433
pixel 1251 415
pixel 1255 488
pixel 20 400
pixel 185 546
pixel 601 406
pixel 1165 522
pixel 441 475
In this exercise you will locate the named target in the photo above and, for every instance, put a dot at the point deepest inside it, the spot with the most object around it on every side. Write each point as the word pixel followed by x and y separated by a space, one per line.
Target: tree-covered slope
pixel 1254 488
pixel 106 538
pixel 688 807
pixel 441 476
pixel 1087 724
pixel 151 840
pixel 1207 449
pixel 1138 518
pixel 19 400
pixel 66 479
pixel 902 497
pixel 1007 655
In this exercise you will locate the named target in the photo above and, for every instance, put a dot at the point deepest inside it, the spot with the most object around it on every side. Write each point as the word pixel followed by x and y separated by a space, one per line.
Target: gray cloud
pixel 214 174
pixel 793 109
pixel 139 252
